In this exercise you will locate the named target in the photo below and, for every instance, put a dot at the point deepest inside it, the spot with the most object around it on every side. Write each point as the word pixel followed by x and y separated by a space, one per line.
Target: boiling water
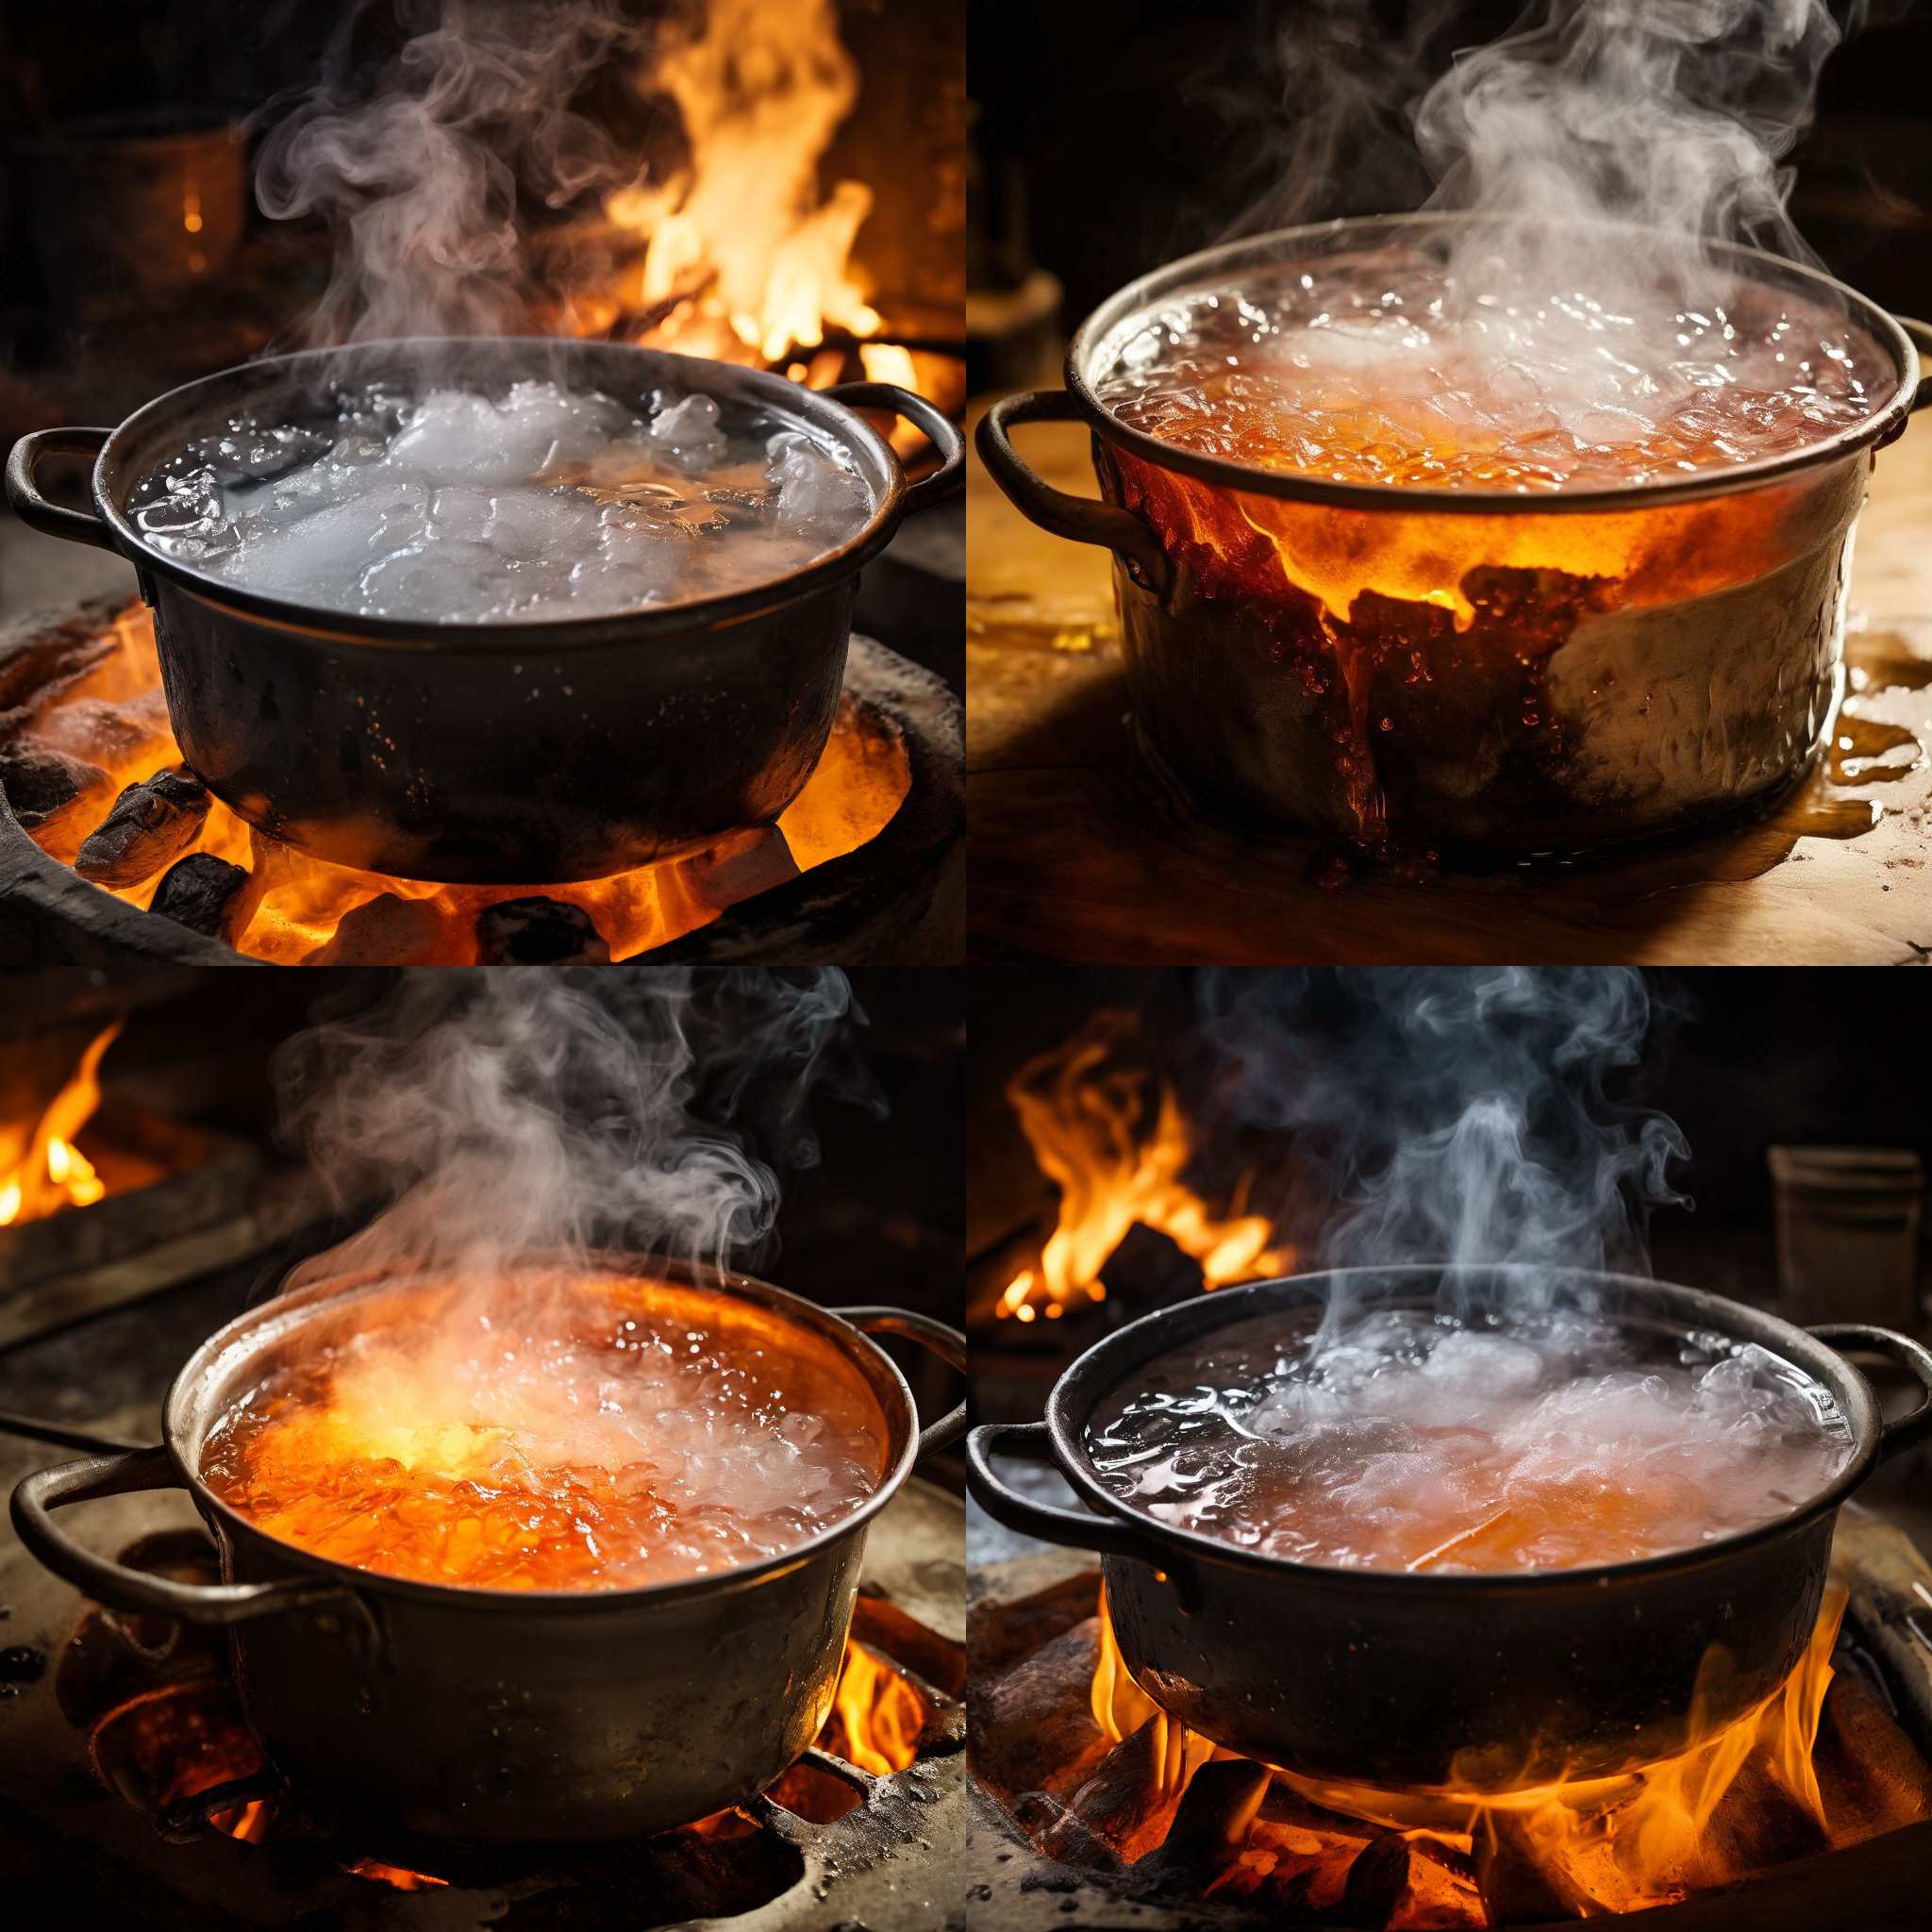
pixel 1365 371
pixel 467 508
pixel 514 1453
pixel 1421 1445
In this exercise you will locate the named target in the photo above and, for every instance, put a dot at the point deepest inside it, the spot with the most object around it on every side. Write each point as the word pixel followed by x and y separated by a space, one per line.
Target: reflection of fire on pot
pixel 1521 522
pixel 1477 1579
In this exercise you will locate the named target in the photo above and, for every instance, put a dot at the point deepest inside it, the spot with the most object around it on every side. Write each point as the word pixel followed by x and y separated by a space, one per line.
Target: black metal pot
pixel 494 1717
pixel 1435 1682
pixel 509 754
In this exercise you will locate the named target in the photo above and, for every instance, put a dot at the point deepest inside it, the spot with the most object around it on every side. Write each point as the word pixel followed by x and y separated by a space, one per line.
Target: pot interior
pixel 580 1427
pixel 304 387
pixel 1123 335
pixel 1416 1449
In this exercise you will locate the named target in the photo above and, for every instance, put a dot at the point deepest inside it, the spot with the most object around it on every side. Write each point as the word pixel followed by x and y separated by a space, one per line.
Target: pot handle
pixel 930 418
pixel 1921 333
pixel 947 1343
pixel 23 492
pixel 116 1587
pixel 1072 1530
pixel 1915 1425
pixel 1079 519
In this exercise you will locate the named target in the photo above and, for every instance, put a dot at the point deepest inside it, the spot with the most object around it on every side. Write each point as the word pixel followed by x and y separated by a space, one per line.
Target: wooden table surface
pixel 1077 855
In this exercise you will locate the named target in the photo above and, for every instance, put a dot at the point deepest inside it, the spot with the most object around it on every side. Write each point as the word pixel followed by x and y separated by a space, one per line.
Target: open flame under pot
pixel 496 754
pixel 500 1716
pixel 1411 1682
pixel 1449 667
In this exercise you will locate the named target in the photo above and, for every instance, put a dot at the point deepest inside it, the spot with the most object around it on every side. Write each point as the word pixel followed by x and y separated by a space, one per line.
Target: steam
pixel 1458 1115
pixel 515 1113
pixel 418 167
pixel 1674 117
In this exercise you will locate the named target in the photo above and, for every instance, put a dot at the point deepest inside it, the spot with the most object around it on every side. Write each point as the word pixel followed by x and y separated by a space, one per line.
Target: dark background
pixel 1115 135
pixel 1741 1059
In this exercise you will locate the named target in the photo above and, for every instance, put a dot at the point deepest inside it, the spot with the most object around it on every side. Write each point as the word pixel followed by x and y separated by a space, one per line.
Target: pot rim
pixel 1876 430
pixel 347 629
pixel 287 1308
pixel 1714 1311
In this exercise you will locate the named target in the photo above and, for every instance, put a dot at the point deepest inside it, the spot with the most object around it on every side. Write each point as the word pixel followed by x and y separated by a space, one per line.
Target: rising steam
pixel 1455 1114
pixel 418 167
pixel 1674 117
pixel 531 1112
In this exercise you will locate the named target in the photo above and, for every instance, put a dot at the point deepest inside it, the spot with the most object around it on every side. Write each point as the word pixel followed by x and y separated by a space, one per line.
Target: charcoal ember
pixel 1149 1269
pixel 197 891
pixel 42 783
pixel 1377 1882
pixel 1879 1779
pixel 151 824
pixel 1520 1886
pixel 538 932
pixel 389 930
pixel 747 863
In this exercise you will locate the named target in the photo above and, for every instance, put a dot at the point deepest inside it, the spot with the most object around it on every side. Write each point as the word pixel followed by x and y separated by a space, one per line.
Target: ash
pixel 460 508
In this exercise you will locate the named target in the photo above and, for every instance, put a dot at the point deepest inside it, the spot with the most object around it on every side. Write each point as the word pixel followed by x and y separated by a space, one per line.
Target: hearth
pixel 863 865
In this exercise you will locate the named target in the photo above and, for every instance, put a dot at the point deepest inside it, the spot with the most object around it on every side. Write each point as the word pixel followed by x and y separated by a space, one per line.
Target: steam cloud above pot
pixel 517 1112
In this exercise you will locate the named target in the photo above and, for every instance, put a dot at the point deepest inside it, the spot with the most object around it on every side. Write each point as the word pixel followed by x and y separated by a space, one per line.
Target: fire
pixel 739 248
pixel 51 1173
pixel 1593 1846
pixel 297 910
pixel 876 1715
pixel 1086 1121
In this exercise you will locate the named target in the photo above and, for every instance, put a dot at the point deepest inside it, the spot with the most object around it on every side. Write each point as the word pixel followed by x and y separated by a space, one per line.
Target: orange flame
pixel 741 255
pixel 1086 1121
pixel 877 1717
pixel 52 1172
pixel 1603 1845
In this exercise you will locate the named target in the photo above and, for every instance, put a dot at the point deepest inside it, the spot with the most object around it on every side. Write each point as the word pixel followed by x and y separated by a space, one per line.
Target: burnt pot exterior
pixel 477 766
pixel 489 1721
pixel 1493 671
pixel 1491 1681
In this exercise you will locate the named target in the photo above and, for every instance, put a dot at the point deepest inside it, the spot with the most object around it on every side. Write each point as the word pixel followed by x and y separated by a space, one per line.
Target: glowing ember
pixel 1086 1123
pixel 51 1173
pixel 298 910
pixel 562 1435
pixel 1578 1847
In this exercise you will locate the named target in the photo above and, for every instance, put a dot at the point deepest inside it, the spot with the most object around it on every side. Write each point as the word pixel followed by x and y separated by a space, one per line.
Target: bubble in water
pixel 464 507
pixel 1410 1443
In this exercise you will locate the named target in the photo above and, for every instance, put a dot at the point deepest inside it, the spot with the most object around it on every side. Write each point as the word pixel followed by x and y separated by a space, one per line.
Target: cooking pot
pixel 1593 664
pixel 497 1716
pixel 500 754
pixel 1486 1681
